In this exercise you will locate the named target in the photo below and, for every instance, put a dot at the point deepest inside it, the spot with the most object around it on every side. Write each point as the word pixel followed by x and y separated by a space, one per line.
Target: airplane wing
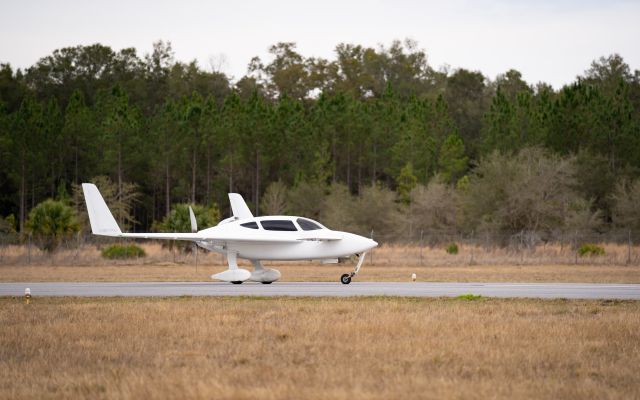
pixel 320 236
pixel 195 237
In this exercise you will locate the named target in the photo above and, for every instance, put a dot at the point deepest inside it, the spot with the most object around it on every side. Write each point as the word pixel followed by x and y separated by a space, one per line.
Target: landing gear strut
pixel 346 278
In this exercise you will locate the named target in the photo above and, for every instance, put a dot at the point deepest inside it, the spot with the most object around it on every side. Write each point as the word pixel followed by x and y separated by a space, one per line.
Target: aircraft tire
pixel 236 282
pixel 267 283
pixel 345 279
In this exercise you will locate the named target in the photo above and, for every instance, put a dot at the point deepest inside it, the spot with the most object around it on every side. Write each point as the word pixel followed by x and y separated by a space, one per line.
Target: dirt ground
pixel 277 348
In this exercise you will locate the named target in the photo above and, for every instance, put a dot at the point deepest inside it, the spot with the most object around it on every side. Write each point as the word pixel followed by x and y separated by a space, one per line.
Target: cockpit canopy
pixel 283 224
pixel 278 225
pixel 308 225
pixel 250 225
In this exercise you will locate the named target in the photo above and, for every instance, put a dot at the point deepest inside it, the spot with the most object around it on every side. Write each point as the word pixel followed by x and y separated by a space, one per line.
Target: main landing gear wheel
pixel 267 283
pixel 236 282
pixel 345 279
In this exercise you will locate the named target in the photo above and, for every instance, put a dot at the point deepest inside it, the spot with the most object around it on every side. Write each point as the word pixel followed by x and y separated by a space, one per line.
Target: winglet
pixel 100 218
pixel 239 207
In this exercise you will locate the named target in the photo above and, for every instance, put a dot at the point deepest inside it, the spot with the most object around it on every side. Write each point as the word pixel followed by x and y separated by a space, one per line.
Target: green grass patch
pixel 452 248
pixel 589 249
pixel 469 297
pixel 119 251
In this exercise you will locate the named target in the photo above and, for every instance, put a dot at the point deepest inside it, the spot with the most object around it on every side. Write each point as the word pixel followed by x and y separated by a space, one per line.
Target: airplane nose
pixel 367 243
pixel 359 244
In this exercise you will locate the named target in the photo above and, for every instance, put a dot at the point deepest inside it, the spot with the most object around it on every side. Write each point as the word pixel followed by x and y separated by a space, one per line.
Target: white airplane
pixel 248 237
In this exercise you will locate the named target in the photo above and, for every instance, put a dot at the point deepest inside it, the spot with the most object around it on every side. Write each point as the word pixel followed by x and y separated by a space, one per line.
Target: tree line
pixel 374 134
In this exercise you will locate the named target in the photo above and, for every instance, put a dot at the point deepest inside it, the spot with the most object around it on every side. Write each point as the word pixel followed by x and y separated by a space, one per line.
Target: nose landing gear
pixel 346 278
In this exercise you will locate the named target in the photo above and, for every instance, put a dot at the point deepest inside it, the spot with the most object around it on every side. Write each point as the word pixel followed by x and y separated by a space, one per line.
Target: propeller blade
pixel 194 223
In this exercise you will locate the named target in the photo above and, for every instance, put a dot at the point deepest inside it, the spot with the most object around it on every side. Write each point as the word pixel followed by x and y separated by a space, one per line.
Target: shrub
pixel 452 248
pixel 50 222
pixel 435 207
pixel 179 220
pixel 494 199
pixel 626 204
pixel 589 249
pixel 119 251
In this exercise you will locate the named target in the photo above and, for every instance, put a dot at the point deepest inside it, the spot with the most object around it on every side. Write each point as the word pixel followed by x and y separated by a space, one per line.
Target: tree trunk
pixel 193 178
pixel 154 203
pixel 33 191
pixel 335 159
pixel 231 173
pixel 349 165
pixel 359 175
pixel 119 196
pixel 167 190
pixel 22 194
pixel 360 168
pixel 53 179
pixel 375 156
pixel 257 196
pixel 207 199
pixel 75 164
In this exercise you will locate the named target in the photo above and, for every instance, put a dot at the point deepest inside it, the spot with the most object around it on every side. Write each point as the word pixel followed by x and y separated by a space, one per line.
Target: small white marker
pixel 413 277
pixel 27 295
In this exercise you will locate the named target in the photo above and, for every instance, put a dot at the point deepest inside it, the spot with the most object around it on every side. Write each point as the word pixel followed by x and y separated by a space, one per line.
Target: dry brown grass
pixel 385 255
pixel 375 348
pixel 389 263
pixel 315 272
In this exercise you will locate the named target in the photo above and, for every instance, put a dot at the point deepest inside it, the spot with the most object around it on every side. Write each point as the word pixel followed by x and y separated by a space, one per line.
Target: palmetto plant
pixel 50 222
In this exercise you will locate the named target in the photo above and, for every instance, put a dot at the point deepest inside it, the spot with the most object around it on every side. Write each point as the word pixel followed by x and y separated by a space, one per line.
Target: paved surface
pixel 417 289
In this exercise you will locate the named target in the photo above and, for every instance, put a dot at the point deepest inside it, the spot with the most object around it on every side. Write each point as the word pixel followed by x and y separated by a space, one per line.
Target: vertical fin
pixel 239 207
pixel 100 218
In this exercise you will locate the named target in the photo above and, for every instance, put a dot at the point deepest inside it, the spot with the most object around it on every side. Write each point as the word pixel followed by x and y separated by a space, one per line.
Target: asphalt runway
pixel 325 289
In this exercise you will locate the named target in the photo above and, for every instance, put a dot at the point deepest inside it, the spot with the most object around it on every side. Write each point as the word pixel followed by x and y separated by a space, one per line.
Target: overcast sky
pixel 546 40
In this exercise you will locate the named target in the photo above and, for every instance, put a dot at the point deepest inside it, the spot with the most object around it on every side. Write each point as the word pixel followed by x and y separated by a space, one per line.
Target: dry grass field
pixel 389 263
pixel 374 348
pixel 385 255
pixel 315 272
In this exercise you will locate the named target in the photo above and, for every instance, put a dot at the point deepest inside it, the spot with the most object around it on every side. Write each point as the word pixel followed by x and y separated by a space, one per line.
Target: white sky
pixel 546 40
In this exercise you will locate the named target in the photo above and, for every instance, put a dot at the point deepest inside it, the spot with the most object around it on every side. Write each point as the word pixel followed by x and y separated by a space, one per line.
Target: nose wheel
pixel 346 278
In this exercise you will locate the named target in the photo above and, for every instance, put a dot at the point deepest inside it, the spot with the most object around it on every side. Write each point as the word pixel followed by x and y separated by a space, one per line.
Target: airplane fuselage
pixel 292 241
